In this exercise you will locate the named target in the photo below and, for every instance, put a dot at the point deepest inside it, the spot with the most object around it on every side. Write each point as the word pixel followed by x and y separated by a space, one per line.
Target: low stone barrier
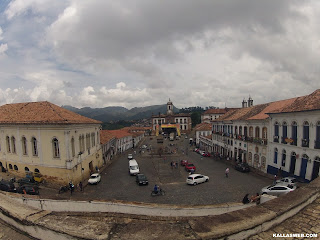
pixel 50 219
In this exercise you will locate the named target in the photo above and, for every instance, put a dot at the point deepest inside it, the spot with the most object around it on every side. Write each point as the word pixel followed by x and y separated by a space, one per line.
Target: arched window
pixel 36 170
pixel 8 144
pixel 15 167
pixel 275 160
pixel 34 146
pixel 55 147
pixel 294 133
pixel 284 133
pixel 264 133
pixel 13 144
pixel 10 166
pixel 93 140
pixel 240 130
pixel 257 132
pixel 276 132
pixel 24 145
pixel 88 140
pixel 305 138
pixel 73 150
pixel 26 169
pixel 250 131
pixel 283 160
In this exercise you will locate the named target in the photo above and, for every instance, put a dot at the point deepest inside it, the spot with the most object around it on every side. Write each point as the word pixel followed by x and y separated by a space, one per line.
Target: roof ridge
pixel 50 105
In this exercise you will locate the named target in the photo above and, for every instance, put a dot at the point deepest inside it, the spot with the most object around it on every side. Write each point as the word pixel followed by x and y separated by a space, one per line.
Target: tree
pixel 195 118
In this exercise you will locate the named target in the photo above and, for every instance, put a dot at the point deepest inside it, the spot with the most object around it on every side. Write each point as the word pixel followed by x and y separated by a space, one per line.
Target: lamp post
pixel 79 154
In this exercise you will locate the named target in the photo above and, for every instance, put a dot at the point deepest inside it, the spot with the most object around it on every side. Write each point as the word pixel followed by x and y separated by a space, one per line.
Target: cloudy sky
pixel 129 53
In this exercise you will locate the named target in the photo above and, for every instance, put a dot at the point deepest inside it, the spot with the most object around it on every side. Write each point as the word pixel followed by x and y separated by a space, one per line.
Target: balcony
pixel 317 144
pixel 276 139
pixel 305 143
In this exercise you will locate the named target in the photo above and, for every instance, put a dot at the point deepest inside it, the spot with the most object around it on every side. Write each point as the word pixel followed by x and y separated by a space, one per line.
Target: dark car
pixel 141 179
pixel 7 186
pixel 31 190
pixel 242 167
pixel 27 181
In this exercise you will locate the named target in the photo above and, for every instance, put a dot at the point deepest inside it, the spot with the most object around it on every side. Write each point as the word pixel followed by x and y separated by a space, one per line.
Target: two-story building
pixel 45 138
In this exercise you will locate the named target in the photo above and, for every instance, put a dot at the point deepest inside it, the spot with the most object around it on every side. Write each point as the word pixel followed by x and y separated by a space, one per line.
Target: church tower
pixel 169 108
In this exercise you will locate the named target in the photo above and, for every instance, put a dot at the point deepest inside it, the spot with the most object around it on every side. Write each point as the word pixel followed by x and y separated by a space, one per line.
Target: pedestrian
pixel 80 186
pixel 275 179
pixel 227 172
pixel 246 199
pixel 71 186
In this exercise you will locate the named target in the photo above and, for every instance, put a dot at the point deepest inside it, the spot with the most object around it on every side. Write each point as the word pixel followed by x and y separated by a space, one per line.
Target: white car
pixel 277 189
pixel 144 146
pixel 194 179
pixel 288 181
pixel 94 178
pixel 130 157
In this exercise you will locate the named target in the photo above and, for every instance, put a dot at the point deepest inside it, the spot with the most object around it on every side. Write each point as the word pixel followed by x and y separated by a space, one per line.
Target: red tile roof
pixel 105 136
pixel 119 133
pixel 216 111
pixel 40 113
pixel 203 127
pixel 260 112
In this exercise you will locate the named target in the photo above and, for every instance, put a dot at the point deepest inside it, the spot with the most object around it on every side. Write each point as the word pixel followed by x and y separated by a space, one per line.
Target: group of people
pixel 253 198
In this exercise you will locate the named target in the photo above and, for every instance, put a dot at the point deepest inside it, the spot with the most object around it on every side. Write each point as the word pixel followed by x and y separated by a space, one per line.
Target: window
pixel 294 133
pixel 185 120
pixel 15 167
pixel 34 146
pixel 284 132
pixel 88 140
pixel 305 140
pixel 8 144
pixel 55 147
pixel 26 169
pixel 73 150
pixel 13 144
pixel 264 133
pixel 10 166
pixel 24 146
pixel 275 160
pixel 36 170
pixel 283 161
pixel 250 131
pixel 93 140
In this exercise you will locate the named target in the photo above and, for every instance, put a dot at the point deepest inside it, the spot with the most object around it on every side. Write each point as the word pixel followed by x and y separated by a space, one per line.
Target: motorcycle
pixel 158 193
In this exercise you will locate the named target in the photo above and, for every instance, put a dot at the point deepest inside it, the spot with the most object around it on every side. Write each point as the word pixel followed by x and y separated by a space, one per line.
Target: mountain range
pixel 112 114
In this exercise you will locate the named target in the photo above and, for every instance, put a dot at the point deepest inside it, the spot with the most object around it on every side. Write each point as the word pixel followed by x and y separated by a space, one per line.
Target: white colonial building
pixel 280 137
pixel 42 137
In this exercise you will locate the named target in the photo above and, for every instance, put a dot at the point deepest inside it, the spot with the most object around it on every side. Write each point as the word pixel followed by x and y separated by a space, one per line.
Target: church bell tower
pixel 169 108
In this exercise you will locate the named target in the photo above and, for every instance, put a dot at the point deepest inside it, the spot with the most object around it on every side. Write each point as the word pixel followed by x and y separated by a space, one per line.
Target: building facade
pixel 179 123
pixel 42 137
pixel 280 137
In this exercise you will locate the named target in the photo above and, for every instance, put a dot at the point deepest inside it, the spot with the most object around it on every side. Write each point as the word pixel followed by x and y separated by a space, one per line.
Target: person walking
pixel 81 186
pixel 227 172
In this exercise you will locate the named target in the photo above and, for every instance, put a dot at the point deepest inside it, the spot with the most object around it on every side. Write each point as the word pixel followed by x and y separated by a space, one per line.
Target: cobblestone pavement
pixel 9 233
pixel 117 184
pixel 307 221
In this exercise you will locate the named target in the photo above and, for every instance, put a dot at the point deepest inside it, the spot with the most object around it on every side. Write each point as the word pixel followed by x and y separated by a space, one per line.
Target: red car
pixel 183 162
pixel 206 154
pixel 190 166
pixel 197 150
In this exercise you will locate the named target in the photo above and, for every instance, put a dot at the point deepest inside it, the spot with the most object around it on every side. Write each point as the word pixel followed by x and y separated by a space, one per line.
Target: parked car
pixel 7 186
pixel 242 167
pixel 190 166
pixel 141 179
pixel 144 146
pixel 130 156
pixel 205 154
pixel 94 178
pixel 31 190
pixel 196 150
pixel 27 181
pixel 288 181
pixel 277 189
pixel 195 179
pixel 183 162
